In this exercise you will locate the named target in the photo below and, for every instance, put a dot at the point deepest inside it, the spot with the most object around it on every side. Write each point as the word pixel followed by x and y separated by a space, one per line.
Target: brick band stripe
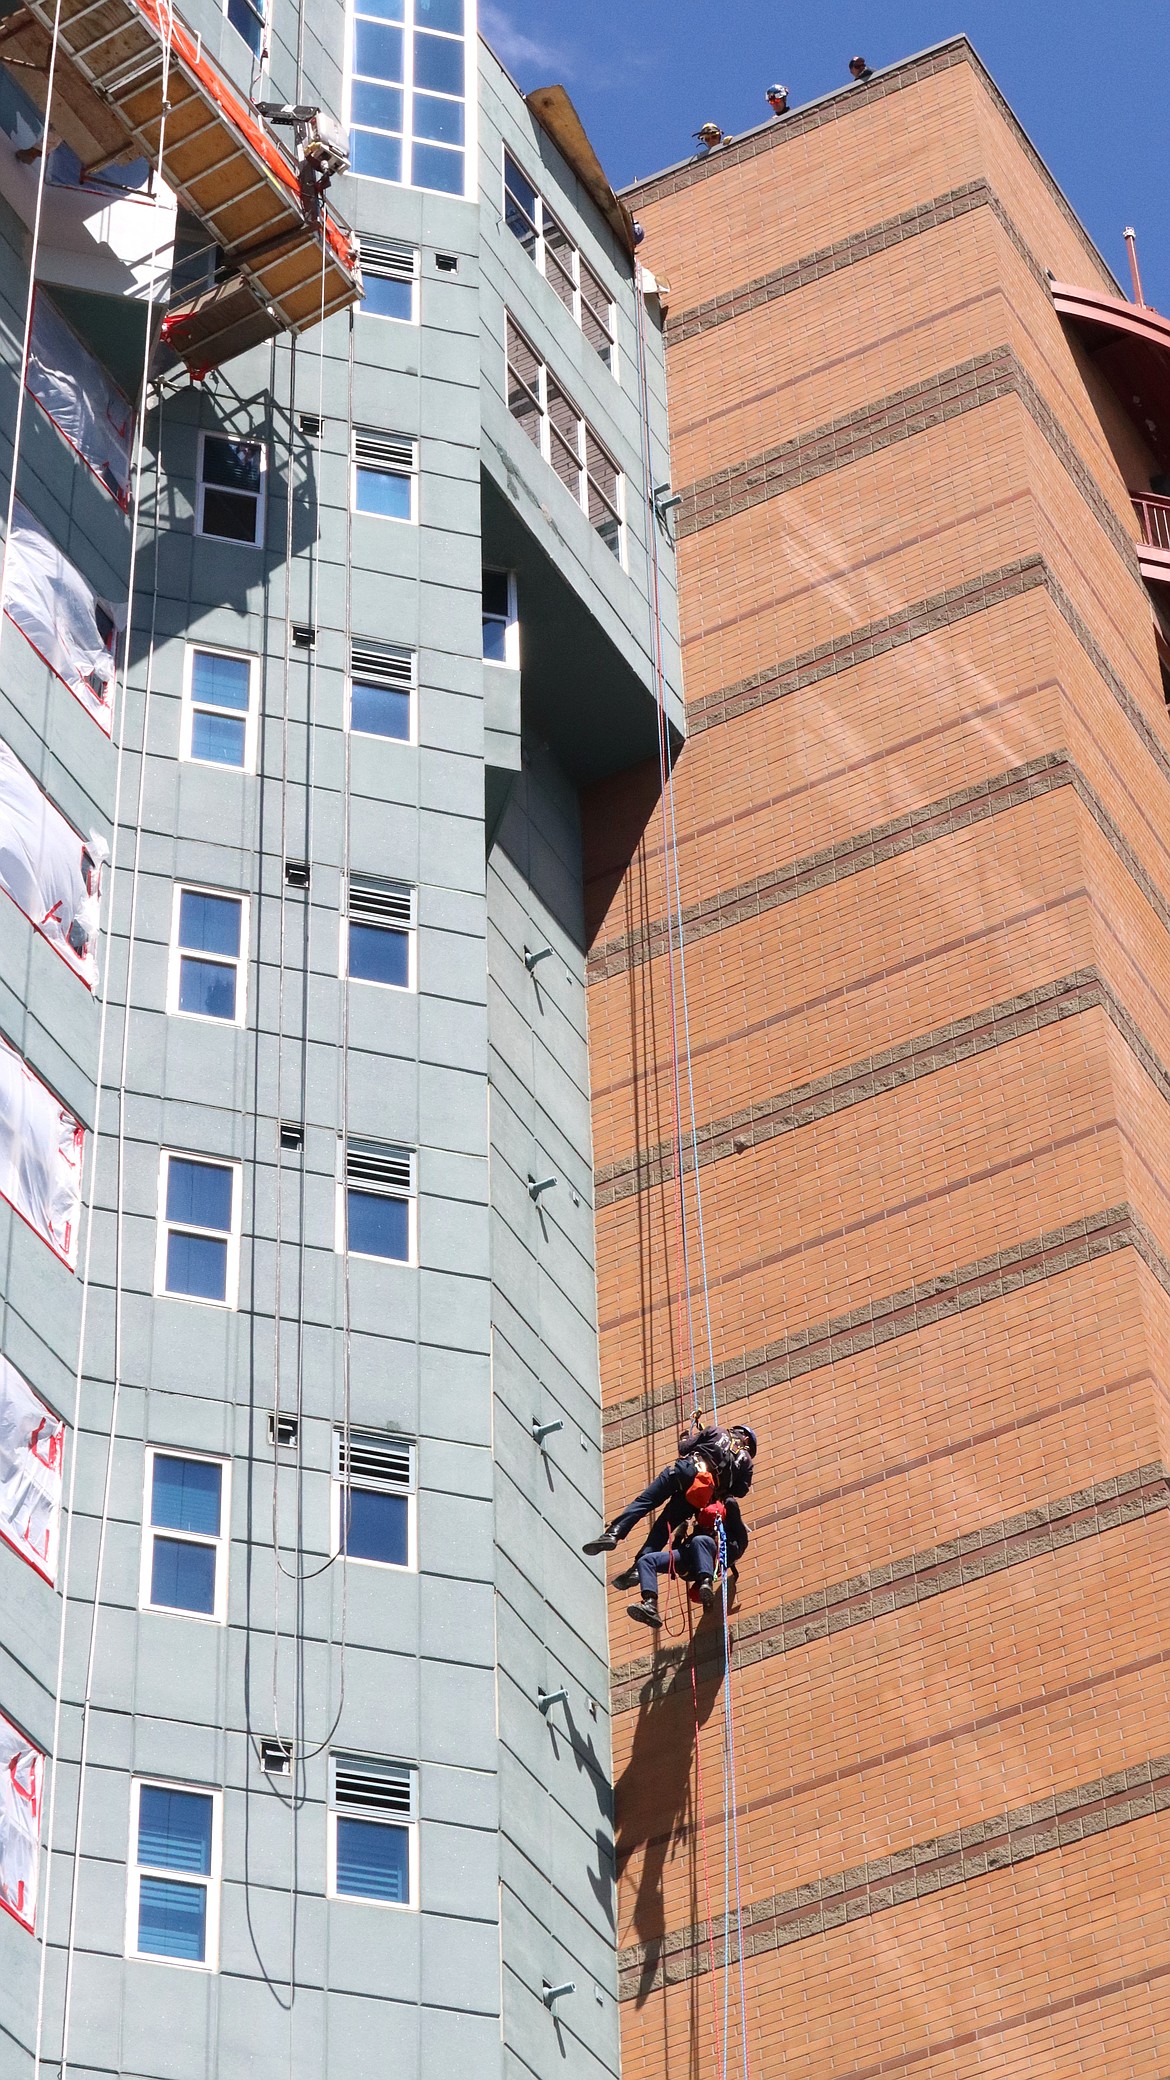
pixel 903 1313
pixel 848 252
pixel 871 429
pixel 855 1083
pixel 863 850
pixel 914 1579
pixel 1016 1836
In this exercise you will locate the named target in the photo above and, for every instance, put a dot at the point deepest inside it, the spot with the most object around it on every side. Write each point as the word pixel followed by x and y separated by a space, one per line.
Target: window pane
pixel 495 593
pixel 378 1227
pixel 377 51
pixel 230 517
pixel 200 1193
pixel 380 711
pixel 373 1862
pixel 376 1527
pixel 209 924
pixel 249 24
pixel 380 108
pixel 385 298
pixel 436 167
pixel 434 117
pixel 377 954
pixel 495 640
pixel 440 14
pixel 217 738
pixel 182 1577
pixel 197 1267
pixel 438 63
pixel 174 1829
pixel 235 464
pixel 221 682
pixel 206 989
pixel 382 492
pixel 386 10
pixel 185 1495
pixel 172 1919
pixel 376 156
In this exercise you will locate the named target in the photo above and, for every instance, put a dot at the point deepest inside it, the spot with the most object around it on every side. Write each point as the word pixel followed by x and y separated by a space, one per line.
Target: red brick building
pixel 924 852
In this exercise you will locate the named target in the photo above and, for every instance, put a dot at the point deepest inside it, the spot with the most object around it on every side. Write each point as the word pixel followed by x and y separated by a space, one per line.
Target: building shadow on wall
pixel 656 1799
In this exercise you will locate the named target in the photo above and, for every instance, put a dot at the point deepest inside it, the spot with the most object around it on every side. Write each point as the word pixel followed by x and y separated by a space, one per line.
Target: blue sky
pixel 1089 81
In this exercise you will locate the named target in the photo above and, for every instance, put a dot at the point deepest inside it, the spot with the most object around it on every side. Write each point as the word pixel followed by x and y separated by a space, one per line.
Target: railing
pixel 1153 518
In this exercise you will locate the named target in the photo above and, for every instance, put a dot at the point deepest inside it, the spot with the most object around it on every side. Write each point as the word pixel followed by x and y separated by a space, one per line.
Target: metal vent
pixel 374 1787
pixel 380 1167
pixel 292 1133
pixel 304 635
pixel 447 263
pixel 389 902
pixel 310 424
pixel 276 1758
pixel 282 1430
pixel 382 664
pixel 391 258
pixel 375 1461
pixel 378 450
pixel 296 873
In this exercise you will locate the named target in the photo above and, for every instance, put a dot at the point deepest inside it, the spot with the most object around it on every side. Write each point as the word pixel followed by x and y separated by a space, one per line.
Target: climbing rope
pixel 681 1054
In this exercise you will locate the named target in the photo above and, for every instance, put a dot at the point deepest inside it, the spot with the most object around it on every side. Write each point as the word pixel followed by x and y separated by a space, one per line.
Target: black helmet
pixel 748 1436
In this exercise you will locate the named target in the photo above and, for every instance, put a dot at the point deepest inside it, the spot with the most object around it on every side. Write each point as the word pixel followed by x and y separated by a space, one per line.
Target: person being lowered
pixel 695 1557
pixel 713 1465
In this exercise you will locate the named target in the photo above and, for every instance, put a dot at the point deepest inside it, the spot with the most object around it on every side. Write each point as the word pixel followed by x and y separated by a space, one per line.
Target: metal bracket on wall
pixel 556 1993
pixel 547 1698
pixel 537 1185
pixel 533 956
pixel 542 1430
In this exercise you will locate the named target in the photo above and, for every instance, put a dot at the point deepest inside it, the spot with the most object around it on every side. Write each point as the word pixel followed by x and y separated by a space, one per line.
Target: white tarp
pixel 71 385
pixel 22 1770
pixel 41 1147
pixel 53 606
pixel 51 873
pixel 32 1445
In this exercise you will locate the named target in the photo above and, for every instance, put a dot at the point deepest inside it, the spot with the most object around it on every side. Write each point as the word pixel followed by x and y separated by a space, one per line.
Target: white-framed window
pixel 247 19
pixel 209 955
pixel 379 939
pixel 383 690
pixel 186 1518
pixel 555 426
pixel 220 708
pixel 390 272
pixel 501 628
pixel 176 1857
pixel 378 1209
pixel 199 1201
pixel 229 493
pixel 561 262
pixel 409 113
pixel 374 1515
pixel 385 474
pixel 373 1831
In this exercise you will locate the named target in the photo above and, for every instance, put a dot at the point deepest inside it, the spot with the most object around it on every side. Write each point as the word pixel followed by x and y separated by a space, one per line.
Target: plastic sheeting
pixel 41 1147
pixel 32 1447
pixel 53 606
pixel 84 403
pixel 22 1774
pixel 51 873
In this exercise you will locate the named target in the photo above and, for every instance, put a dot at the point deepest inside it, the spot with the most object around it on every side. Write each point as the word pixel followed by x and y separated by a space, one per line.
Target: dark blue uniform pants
pixel 669 1485
pixel 697 1558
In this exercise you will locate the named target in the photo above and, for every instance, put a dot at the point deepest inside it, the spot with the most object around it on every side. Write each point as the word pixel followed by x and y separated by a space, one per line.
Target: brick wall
pixel 923 819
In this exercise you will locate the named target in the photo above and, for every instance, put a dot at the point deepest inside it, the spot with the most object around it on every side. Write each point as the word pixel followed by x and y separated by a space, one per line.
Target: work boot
pixel 605 1544
pixel 706 1589
pixel 646 1612
pixel 627 1579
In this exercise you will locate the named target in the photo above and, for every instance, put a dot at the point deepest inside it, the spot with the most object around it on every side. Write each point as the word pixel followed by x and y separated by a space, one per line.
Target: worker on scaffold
pixel 715 1539
pixel 713 1465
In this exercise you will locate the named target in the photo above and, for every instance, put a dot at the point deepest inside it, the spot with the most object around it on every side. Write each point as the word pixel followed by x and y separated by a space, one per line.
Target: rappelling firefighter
pixel 715 1538
pixel 713 1465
